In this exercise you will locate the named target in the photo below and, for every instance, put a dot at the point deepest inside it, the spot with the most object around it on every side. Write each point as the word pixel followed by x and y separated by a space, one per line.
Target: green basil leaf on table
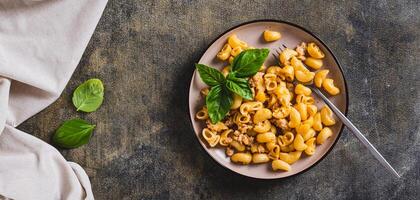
pixel 89 96
pixel 239 86
pixel 209 75
pixel 248 62
pixel 73 133
pixel 218 101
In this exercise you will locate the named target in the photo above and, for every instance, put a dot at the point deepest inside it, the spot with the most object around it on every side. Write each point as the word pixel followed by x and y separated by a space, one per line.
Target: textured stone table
pixel 144 148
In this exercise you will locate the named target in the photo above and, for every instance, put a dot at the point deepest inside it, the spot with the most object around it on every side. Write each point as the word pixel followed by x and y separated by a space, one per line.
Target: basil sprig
pixel 220 98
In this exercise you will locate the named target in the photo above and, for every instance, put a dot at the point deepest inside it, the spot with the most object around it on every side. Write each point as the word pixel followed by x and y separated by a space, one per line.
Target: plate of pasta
pixel 251 105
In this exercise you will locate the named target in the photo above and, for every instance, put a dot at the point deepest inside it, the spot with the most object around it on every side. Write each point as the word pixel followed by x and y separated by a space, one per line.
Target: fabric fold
pixel 4 100
pixel 41 43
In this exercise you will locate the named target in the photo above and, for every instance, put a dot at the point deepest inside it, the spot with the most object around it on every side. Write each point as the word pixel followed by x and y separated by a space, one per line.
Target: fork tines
pixel 278 51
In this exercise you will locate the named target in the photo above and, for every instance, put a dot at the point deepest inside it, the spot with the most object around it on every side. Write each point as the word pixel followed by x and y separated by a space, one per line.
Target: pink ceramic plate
pixel 292 35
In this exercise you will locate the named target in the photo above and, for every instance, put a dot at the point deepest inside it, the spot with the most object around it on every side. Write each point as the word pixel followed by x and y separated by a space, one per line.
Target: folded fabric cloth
pixel 41 43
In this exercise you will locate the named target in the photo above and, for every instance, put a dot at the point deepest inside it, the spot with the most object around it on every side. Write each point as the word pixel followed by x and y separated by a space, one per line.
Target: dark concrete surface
pixel 144 148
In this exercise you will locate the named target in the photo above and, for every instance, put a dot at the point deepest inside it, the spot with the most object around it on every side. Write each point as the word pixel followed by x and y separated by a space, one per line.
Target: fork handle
pixel 356 132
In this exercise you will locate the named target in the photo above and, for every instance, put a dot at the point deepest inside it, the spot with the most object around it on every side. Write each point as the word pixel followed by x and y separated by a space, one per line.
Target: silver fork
pixel 348 124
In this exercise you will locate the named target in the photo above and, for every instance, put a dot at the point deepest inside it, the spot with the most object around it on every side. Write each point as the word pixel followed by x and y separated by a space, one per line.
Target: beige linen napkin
pixel 41 43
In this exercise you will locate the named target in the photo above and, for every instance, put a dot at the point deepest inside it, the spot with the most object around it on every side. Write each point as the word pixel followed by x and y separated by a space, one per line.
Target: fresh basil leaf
pixel 218 101
pixel 209 75
pixel 89 96
pixel 73 133
pixel 232 76
pixel 241 89
pixel 239 86
pixel 248 62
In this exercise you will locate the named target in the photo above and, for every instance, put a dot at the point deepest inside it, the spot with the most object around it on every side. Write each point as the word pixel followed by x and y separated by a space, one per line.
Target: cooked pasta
pixel 270 36
pixel 243 158
pixel 286 55
pixel 310 149
pixel 225 52
pixel 260 158
pixel 328 85
pixel 320 77
pixel 327 117
pixel 234 42
pixel 323 135
pixel 281 121
pixel 314 51
pixel 280 165
pixel 314 63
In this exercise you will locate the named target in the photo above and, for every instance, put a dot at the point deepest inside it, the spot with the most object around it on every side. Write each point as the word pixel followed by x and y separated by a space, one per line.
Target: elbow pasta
pixel 238 146
pixel 304 76
pixel 294 118
pixel 310 120
pixel 202 114
pixel 327 117
pixel 291 157
pixel 234 42
pixel 211 137
pixel 298 65
pixel 299 143
pixel 301 89
pixel 237 101
pixel 305 131
pixel 303 111
pixel 231 59
pixel 260 158
pixel 280 165
pixel 236 51
pixel 310 149
pixel 287 139
pixel 262 115
pixel 287 149
pixel 323 135
pixel 314 63
pixel 287 73
pixel 270 36
pixel 305 99
pixel 328 85
pixel 224 54
pixel 266 137
pixel 262 127
pixel 320 77
pixel 243 158
pixel 281 121
pixel 314 51
pixel 225 140
pixel 286 55
pixel 226 70
pixel 312 109
pixel 317 123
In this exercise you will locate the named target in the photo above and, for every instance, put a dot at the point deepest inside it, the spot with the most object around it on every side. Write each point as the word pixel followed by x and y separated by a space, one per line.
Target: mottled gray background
pixel 144 148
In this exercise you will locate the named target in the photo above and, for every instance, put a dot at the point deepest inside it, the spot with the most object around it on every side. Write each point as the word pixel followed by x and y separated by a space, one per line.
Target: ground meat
pixel 243 128
pixel 229 151
pixel 244 139
pixel 281 123
pixel 261 148
pixel 300 49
